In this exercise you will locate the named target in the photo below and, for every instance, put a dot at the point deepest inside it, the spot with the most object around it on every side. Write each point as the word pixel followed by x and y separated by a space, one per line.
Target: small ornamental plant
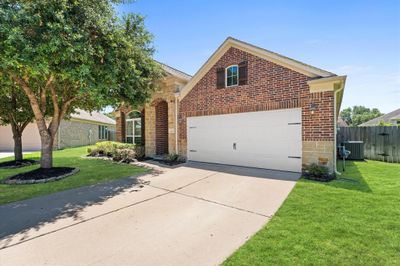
pixel 318 172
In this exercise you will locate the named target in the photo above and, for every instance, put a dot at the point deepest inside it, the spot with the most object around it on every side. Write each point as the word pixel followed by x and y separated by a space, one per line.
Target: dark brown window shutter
pixel 220 78
pixel 243 73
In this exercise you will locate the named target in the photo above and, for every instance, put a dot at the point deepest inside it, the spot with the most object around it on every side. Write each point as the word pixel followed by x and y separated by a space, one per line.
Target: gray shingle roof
pixel 387 118
pixel 93 116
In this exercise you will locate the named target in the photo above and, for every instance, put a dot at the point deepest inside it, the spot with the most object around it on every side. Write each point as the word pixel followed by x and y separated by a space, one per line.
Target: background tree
pixel 74 54
pixel 359 114
pixel 14 111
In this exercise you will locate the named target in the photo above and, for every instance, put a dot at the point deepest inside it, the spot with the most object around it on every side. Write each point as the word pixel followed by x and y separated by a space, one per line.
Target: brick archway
pixel 161 110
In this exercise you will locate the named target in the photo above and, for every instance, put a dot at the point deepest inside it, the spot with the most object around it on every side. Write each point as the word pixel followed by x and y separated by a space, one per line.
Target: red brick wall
pixel 269 87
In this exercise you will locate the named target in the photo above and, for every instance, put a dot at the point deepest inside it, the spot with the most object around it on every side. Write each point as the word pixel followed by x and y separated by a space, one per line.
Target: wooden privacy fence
pixel 380 143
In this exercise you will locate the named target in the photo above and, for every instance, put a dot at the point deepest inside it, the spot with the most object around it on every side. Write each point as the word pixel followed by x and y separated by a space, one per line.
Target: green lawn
pixel 92 171
pixel 354 220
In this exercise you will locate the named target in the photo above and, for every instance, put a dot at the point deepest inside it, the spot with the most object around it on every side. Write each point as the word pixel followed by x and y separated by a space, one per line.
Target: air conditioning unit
pixel 356 148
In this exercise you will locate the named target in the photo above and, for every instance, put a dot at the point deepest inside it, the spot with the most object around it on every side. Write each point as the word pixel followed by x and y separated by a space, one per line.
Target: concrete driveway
pixel 196 214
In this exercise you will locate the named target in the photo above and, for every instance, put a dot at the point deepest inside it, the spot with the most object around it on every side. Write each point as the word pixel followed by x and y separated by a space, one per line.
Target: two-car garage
pixel 266 139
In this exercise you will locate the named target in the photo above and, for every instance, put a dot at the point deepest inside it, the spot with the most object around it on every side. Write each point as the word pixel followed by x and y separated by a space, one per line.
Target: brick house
pixel 245 106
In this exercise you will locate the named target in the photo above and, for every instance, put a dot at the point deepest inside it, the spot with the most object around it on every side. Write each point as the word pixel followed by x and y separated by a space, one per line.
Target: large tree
pixel 74 54
pixel 357 115
pixel 14 111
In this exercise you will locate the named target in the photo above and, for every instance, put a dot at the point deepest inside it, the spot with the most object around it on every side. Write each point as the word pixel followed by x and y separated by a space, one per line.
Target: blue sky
pixel 360 39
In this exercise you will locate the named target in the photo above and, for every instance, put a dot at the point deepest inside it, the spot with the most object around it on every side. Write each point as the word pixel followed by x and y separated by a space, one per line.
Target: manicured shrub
pixel 318 172
pixel 173 157
pixel 139 152
pixel 108 148
pixel 93 152
pixel 124 155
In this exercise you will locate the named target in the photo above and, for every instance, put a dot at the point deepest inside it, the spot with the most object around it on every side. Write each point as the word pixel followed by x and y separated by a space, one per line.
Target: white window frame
pixel 133 135
pixel 103 132
pixel 226 76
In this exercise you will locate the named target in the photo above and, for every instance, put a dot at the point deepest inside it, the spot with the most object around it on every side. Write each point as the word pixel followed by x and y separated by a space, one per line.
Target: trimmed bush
pixel 124 155
pixel 121 152
pixel 139 152
pixel 173 157
pixel 108 148
pixel 318 172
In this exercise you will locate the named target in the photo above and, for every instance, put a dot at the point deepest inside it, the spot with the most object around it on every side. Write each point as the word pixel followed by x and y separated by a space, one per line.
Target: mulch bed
pixel 167 162
pixel 41 175
pixel 17 164
pixel 325 178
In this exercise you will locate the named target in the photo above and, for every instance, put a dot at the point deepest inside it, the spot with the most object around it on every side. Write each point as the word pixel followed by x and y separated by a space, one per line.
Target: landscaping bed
pixel 90 172
pixel 17 164
pixel 319 173
pixel 41 175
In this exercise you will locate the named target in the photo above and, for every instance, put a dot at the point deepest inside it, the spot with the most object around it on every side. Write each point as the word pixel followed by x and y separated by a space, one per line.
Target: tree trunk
pixel 46 157
pixel 17 146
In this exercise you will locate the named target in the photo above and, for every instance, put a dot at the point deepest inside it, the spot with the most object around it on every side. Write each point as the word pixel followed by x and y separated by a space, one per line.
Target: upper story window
pixel 232 76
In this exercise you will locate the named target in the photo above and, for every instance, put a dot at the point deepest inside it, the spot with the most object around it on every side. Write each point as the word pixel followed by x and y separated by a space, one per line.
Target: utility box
pixel 356 148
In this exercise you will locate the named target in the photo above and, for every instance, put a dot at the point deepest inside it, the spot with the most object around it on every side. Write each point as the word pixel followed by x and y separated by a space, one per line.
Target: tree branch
pixel 43 93
pixel 39 116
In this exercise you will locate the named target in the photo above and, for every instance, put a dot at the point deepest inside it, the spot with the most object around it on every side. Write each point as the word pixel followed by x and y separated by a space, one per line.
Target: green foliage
pixel 94 56
pixel 124 155
pixel 14 105
pixel 173 157
pixel 316 170
pixel 108 148
pixel 139 152
pixel 359 114
pixel 385 124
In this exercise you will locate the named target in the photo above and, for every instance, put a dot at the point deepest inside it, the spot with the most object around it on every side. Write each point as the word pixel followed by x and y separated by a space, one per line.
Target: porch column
pixel 120 126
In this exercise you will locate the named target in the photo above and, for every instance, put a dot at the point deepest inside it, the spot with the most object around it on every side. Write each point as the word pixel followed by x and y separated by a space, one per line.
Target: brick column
pixel 120 126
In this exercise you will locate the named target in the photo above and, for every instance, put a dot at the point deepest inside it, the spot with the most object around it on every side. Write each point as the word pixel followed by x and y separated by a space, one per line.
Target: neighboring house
pixel 389 118
pixel 81 129
pixel 341 122
pixel 246 106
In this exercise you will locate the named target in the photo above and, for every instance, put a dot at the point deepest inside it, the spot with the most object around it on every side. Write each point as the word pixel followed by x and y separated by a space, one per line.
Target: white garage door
pixel 30 138
pixel 269 139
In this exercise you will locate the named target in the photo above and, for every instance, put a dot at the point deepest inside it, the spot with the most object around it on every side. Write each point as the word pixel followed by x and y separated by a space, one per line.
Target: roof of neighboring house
pixel 341 122
pixel 93 117
pixel 394 115
pixel 175 72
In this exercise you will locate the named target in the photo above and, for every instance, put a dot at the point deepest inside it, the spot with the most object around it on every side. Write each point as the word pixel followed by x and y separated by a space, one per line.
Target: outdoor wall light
pixel 313 107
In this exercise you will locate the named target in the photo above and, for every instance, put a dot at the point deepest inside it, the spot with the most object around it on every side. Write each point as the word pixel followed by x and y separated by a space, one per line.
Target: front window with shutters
pixel 232 76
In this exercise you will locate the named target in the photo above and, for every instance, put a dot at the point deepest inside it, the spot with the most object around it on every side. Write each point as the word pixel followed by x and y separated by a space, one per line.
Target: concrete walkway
pixel 4 154
pixel 196 214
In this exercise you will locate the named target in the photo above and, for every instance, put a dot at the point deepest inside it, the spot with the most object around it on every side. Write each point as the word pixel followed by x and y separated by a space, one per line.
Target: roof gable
pixel 175 72
pixel 278 59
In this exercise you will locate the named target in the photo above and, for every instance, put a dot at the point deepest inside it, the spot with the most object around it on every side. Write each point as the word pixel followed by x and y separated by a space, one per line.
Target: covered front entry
pixel 161 109
pixel 267 139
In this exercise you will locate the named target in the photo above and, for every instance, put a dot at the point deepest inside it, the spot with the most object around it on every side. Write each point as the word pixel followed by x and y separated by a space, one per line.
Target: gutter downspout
pixel 176 121
pixel 335 129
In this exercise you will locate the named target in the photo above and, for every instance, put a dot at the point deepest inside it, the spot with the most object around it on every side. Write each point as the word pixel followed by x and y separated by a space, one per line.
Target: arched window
pixel 134 128
pixel 232 75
